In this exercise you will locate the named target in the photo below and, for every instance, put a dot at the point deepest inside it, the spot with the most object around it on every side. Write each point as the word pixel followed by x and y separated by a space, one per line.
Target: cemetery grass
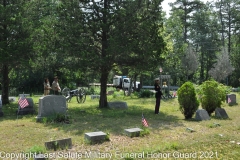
pixel 168 134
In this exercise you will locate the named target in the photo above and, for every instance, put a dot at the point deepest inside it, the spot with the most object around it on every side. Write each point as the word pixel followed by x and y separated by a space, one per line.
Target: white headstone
pixel 51 105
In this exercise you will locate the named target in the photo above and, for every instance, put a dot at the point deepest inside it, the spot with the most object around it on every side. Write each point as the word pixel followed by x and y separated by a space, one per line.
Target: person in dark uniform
pixel 158 95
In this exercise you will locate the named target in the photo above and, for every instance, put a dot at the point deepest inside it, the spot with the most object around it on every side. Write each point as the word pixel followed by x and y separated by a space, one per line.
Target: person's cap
pixel 156 79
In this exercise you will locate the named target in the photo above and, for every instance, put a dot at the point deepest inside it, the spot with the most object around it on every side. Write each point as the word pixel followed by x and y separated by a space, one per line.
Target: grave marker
pixel 118 105
pixel 51 105
pixel 59 144
pixel 1 113
pixel 231 99
pixel 221 113
pixel 202 114
pixel 28 109
pixel 133 132
pixel 96 137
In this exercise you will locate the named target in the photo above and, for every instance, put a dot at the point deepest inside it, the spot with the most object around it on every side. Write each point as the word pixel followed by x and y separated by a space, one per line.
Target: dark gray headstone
pixel 95 96
pixel 202 114
pixel 28 109
pixel 133 132
pixel 118 105
pixel 59 144
pixel 39 157
pixel 110 92
pixel 95 137
pixel 51 105
pixel 221 113
pixel 231 99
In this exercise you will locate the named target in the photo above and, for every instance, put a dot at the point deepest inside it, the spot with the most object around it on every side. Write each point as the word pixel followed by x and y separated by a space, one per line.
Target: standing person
pixel 158 95
pixel 47 87
pixel 55 86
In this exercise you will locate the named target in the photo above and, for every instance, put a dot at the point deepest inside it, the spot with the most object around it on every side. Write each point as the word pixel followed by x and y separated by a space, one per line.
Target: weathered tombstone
pixel 40 157
pixel 96 137
pixel 110 92
pixel 59 144
pixel 51 105
pixel 231 99
pixel 28 109
pixel 23 95
pixel 133 132
pixel 12 99
pixel 118 105
pixel 202 114
pixel 221 113
pixel 1 113
pixel 95 96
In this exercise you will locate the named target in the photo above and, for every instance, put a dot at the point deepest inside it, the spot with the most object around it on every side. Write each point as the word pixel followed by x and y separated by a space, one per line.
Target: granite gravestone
pixel 51 105
pixel 118 105
pixel 29 109
pixel 221 113
pixel 1 113
pixel 202 114
pixel 95 137
pixel 231 99
pixel 133 132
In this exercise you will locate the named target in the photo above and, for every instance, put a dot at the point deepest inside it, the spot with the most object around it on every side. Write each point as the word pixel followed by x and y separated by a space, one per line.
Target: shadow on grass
pixel 90 118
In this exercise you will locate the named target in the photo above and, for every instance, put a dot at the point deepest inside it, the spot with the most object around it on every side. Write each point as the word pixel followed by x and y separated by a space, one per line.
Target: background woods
pixel 90 41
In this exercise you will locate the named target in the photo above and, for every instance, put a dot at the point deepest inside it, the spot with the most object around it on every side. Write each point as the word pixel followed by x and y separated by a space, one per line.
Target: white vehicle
pixel 123 82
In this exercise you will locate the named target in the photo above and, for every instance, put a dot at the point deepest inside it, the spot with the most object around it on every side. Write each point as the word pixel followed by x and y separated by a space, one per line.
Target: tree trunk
pixel 103 92
pixel 5 84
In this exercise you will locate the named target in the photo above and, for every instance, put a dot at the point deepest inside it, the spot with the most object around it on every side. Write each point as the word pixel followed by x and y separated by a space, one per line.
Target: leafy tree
pixel 15 44
pixel 109 33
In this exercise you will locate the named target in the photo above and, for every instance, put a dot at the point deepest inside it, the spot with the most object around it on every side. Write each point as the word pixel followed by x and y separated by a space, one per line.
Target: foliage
pixel 36 149
pixel 211 95
pixel 222 68
pixel 145 94
pixel 187 100
pixel 57 118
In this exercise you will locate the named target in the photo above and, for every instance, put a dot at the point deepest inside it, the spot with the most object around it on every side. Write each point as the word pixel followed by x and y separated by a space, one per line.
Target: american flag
pixel 174 93
pixel 229 100
pixel 23 102
pixel 144 121
pixel 160 69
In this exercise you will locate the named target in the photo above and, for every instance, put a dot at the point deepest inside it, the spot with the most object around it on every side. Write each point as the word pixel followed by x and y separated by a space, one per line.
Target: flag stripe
pixel 229 100
pixel 23 102
pixel 144 121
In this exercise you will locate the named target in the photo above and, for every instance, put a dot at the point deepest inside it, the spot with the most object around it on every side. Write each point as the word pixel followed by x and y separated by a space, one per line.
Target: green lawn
pixel 168 138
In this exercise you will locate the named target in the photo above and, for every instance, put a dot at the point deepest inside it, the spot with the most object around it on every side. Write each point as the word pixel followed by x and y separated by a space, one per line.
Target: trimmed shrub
pixel 145 94
pixel 187 100
pixel 211 95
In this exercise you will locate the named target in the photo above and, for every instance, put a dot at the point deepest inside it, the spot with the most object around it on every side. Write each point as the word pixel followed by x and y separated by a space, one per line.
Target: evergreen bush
pixel 211 95
pixel 187 100
pixel 145 94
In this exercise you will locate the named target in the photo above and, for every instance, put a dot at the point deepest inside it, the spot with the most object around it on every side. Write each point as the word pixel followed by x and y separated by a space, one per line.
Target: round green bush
pixel 187 100
pixel 211 95
pixel 145 94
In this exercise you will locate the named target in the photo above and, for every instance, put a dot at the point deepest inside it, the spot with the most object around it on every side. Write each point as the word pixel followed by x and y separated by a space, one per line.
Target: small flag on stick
pixel 144 121
pixel 229 100
pixel 23 102
pixel 174 93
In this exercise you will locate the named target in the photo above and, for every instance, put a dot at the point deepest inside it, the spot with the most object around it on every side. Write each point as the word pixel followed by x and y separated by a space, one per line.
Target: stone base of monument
pixel 117 105
pixel 221 113
pixel 95 96
pixel 202 114
pixel 96 137
pixel 28 109
pixel 59 144
pixel 133 132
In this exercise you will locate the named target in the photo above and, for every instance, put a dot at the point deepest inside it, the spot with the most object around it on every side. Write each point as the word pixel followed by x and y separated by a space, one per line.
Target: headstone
pixel 231 99
pixel 118 105
pixel 95 96
pixel 110 92
pixel 95 137
pixel 1 113
pixel 59 144
pixel 133 132
pixel 28 109
pixel 12 99
pixel 202 114
pixel 40 157
pixel 51 105
pixel 23 95
pixel 221 113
